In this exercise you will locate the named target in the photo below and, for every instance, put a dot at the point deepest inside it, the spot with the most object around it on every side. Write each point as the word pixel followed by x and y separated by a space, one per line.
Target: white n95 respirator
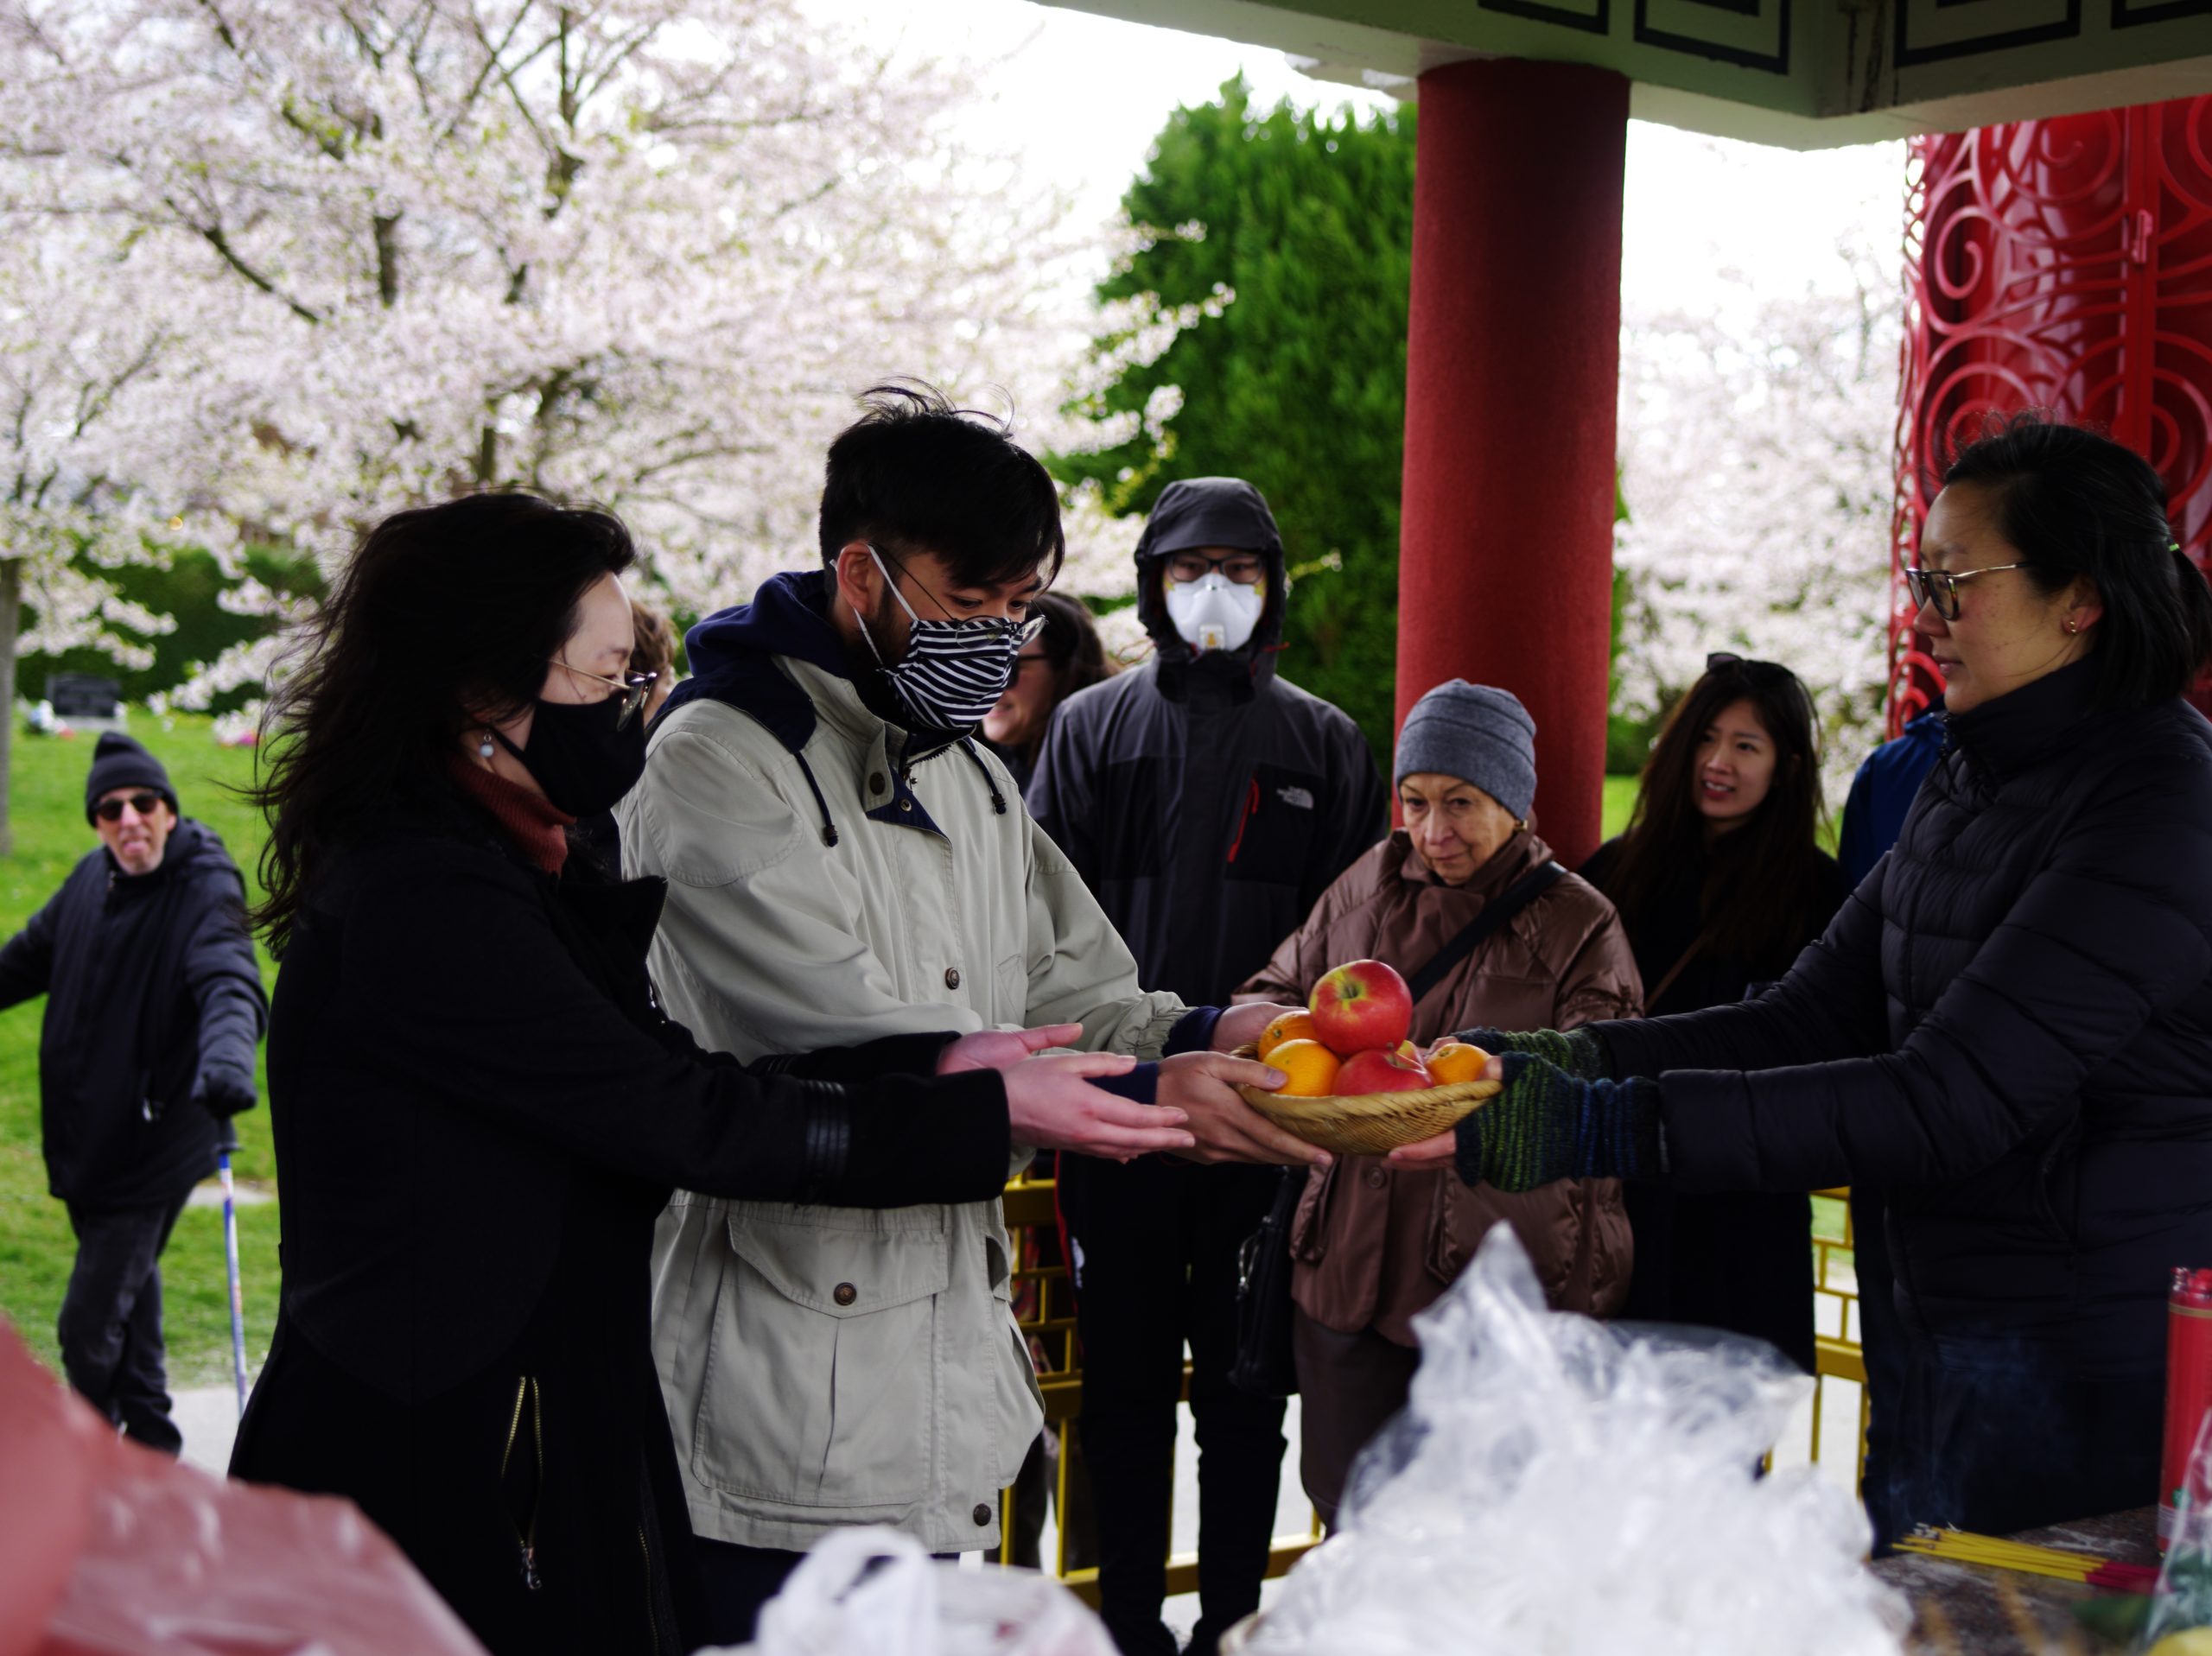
pixel 1214 612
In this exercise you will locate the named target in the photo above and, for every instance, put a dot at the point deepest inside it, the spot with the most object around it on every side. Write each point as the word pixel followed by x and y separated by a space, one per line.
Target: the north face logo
pixel 1302 797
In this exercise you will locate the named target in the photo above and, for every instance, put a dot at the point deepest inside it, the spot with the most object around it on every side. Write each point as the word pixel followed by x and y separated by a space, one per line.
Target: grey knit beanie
pixel 1477 733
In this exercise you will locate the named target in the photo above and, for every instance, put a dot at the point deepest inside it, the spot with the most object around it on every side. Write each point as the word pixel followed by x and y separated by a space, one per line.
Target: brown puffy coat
pixel 1374 1244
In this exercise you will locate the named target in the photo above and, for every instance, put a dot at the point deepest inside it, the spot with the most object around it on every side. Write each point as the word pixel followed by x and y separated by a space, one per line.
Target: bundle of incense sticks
pixel 1964 1547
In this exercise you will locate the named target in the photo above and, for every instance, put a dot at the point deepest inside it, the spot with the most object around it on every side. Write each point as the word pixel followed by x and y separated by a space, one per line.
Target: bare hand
pixel 1051 1105
pixel 1204 1084
pixel 1002 1049
pixel 1244 1025
pixel 1440 1152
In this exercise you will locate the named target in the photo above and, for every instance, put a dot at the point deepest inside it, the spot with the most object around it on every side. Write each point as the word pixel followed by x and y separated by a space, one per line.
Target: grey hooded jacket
pixel 1207 802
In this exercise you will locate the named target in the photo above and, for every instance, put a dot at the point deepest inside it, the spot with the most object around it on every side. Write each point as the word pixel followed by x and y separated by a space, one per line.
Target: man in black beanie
pixel 154 1008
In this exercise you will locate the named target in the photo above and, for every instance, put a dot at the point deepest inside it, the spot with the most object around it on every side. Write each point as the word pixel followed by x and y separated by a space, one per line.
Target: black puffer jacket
pixel 1205 801
pixel 151 984
pixel 2009 1025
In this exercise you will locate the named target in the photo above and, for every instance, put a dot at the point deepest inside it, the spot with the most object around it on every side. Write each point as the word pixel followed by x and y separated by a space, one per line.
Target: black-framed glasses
pixel 110 810
pixel 1244 569
pixel 1940 588
pixel 632 688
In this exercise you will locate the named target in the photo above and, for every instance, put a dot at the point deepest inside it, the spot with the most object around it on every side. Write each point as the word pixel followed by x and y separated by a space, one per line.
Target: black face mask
pixel 583 754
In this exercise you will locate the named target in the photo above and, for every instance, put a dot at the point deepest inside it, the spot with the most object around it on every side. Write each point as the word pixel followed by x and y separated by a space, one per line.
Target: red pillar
pixel 1513 362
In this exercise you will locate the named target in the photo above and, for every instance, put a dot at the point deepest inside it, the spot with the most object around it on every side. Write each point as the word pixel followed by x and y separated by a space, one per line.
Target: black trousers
pixel 1882 1342
pixel 111 1324
pixel 1741 1261
pixel 1154 1246
pixel 1994 1437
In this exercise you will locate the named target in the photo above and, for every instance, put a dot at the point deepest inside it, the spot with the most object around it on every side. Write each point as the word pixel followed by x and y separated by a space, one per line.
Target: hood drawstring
pixel 998 799
pixel 829 828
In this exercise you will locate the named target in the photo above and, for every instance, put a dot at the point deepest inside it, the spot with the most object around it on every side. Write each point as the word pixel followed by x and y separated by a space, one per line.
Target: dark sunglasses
pixel 110 810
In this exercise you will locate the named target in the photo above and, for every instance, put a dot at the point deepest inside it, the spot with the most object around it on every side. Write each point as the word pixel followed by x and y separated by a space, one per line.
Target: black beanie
pixel 118 762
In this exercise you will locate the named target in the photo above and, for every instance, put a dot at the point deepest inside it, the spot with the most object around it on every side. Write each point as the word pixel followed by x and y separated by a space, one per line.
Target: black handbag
pixel 1264 1365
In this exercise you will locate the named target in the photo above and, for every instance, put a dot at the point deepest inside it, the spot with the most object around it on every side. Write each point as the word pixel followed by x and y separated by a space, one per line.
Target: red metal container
pixel 2189 1392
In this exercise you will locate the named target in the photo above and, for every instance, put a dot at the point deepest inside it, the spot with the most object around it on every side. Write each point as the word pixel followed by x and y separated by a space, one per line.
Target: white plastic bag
pixel 1558 1486
pixel 874 1592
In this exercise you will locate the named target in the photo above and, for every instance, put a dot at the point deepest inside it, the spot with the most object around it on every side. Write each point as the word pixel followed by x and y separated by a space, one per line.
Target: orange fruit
pixel 1291 1026
pixel 1311 1067
pixel 1450 1062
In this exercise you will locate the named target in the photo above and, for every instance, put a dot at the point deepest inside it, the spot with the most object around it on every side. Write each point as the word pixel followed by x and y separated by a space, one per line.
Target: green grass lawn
pixel 35 1246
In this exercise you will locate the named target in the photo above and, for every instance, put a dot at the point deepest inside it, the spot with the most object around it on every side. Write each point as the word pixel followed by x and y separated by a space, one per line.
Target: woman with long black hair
pixel 478 1107
pixel 1720 881
pixel 2008 1026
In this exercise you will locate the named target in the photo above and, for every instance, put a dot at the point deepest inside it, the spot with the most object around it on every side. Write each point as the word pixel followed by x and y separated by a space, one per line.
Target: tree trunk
pixel 11 608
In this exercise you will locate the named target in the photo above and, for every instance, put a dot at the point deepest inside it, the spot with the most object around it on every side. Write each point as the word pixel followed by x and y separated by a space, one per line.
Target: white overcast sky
pixel 1082 96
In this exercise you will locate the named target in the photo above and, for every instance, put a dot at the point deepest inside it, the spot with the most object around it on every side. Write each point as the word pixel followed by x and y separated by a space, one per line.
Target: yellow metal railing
pixel 1837 1355
pixel 1045 1310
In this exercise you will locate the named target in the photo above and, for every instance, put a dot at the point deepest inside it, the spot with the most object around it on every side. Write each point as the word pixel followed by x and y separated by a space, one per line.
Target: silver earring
pixel 484 746
pixel 2073 626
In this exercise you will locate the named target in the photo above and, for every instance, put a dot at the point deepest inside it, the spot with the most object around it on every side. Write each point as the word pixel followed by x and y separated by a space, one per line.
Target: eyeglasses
pixel 110 810
pixel 1015 633
pixel 1245 568
pixel 634 689
pixel 1940 588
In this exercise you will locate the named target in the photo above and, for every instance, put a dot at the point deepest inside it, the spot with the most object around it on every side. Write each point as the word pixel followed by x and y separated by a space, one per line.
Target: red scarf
pixel 539 827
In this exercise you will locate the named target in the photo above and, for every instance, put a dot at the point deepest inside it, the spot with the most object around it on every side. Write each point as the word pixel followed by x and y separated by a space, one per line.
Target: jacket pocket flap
pixel 844 1271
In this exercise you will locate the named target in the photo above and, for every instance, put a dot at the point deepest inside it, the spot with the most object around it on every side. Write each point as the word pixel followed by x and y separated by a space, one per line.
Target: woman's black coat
pixel 2008 1026
pixel 479 1110
pixel 1731 1260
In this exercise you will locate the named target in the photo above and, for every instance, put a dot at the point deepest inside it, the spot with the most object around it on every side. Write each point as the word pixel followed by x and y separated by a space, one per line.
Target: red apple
pixel 1362 1005
pixel 1374 1071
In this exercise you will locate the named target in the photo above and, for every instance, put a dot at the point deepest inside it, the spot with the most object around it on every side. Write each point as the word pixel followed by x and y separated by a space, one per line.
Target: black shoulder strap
pixel 1501 909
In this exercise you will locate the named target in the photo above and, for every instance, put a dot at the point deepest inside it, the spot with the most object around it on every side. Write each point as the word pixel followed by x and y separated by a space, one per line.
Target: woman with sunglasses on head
pixel 478 1107
pixel 2009 1025
pixel 1720 881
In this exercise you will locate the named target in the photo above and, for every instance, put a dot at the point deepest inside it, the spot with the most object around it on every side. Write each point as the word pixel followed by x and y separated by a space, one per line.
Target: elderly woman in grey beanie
pixel 1466 902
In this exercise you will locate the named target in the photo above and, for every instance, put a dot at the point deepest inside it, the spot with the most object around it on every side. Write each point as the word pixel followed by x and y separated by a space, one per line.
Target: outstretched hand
pixel 1051 1105
pixel 1227 1129
pixel 1002 1049
pixel 1441 1150
pixel 1244 1025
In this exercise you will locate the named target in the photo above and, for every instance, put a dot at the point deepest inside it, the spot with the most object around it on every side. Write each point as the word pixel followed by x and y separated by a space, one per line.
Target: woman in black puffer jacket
pixel 2008 1026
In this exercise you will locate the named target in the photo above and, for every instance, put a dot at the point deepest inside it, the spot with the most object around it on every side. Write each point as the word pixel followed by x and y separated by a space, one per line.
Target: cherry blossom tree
pixel 85 359
pixel 640 253
pixel 1757 443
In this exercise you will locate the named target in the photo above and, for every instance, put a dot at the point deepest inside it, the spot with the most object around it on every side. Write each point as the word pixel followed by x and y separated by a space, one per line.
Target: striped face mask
pixel 953 672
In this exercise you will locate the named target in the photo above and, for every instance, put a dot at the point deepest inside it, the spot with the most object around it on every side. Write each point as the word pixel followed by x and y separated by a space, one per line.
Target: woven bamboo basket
pixel 1372 1123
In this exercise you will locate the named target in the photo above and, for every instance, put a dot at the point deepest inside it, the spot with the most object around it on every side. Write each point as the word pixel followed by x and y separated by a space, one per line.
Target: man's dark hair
pixel 2076 505
pixel 915 474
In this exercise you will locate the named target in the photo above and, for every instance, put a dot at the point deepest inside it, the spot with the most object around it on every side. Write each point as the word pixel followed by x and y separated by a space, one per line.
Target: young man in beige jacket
pixel 844 861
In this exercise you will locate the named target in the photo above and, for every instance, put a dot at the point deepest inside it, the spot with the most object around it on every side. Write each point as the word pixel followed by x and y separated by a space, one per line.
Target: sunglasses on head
pixel 1727 661
pixel 110 810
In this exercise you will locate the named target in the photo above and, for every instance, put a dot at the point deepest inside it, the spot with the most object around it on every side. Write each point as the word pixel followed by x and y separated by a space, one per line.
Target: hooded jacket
pixel 1372 1245
pixel 832 879
pixel 151 983
pixel 1208 801
pixel 2006 1027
